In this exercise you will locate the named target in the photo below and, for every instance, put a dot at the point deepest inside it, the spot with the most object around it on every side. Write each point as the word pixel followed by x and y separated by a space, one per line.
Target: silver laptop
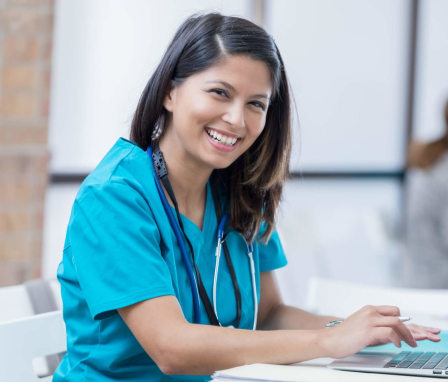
pixel 429 364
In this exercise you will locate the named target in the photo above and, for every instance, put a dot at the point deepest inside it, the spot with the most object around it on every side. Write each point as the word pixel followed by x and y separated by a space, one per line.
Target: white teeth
pixel 221 138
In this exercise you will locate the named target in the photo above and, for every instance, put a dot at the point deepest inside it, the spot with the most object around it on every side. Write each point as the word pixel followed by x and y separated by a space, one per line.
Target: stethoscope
pixel 160 173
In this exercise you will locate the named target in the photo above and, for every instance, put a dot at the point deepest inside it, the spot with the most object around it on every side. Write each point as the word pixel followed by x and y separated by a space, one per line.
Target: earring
pixel 158 128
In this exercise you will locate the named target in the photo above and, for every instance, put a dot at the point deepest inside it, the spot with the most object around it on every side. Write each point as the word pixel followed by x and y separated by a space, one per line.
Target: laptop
pixel 418 363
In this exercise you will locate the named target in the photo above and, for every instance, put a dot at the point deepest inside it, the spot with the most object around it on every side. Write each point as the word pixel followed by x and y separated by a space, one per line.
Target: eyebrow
pixel 231 88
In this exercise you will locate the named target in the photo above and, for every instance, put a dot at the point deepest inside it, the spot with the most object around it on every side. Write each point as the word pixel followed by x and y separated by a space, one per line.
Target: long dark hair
pixel 254 182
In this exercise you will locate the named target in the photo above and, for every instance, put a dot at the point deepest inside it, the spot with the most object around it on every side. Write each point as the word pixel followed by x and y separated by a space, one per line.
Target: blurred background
pixel 368 77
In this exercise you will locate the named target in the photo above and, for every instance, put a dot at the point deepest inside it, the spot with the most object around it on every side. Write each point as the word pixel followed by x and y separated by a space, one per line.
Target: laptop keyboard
pixel 421 360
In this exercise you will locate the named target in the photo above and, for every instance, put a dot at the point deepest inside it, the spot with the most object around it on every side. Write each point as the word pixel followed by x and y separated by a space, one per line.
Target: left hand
pixel 424 332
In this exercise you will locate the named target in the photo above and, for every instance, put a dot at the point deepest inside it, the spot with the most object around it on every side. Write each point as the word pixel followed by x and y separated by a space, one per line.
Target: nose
pixel 235 115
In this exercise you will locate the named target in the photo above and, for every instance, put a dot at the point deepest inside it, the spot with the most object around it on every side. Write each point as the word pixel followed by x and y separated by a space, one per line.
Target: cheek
pixel 257 126
pixel 198 109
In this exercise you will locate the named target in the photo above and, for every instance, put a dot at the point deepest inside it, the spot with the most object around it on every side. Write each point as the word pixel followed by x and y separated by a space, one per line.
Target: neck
pixel 188 181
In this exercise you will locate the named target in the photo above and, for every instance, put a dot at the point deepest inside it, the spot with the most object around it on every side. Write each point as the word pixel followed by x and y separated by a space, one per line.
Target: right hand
pixel 369 326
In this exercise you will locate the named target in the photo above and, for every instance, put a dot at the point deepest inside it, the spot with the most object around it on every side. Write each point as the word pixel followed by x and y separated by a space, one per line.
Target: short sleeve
pixel 271 254
pixel 115 248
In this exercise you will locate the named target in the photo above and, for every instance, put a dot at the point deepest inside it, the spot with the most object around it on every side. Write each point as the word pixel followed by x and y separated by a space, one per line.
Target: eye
pixel 220 92
pixel 258 104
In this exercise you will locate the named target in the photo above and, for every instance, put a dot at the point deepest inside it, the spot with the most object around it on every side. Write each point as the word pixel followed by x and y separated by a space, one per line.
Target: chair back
pixel 25 340
pixel 14 303
pixel 32 297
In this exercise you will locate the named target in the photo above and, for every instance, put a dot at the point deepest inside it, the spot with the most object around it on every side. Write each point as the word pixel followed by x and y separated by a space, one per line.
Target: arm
pixel 179 347
pixel 273 314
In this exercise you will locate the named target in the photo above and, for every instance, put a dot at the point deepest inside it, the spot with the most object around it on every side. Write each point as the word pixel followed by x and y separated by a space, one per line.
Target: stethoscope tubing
pixel 186 259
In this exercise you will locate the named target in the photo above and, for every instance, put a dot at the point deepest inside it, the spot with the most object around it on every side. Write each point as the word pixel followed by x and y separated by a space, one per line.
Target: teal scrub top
pixel 120 250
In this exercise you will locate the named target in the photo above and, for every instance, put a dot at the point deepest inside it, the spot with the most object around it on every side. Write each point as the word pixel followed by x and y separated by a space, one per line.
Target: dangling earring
pixel 158 128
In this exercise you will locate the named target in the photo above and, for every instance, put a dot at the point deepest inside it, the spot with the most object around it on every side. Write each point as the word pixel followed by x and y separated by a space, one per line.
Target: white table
pixel 313 371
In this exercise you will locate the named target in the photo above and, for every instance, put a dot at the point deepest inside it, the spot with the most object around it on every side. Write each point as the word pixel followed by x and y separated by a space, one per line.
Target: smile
pixel 221 138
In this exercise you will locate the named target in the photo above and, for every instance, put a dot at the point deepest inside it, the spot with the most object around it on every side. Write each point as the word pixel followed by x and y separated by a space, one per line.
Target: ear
pixel 168 101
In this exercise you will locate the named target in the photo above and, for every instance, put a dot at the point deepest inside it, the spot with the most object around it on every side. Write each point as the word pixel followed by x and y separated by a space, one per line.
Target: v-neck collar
pixel 194 233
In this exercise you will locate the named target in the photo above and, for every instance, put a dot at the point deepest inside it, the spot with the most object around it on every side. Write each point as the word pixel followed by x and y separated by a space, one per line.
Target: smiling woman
pixel 203 173
pixel 212 57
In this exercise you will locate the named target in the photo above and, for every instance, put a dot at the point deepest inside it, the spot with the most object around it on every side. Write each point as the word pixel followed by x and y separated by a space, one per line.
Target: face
pixel 218 113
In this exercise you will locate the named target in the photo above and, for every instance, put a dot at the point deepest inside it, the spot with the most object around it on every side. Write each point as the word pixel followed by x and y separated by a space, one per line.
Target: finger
pixel 431 330
pixel 426 336
pixel 433 337
pixel 402 330
pixel 425 328
pixel 424 332
pixel 388 310
pixel 405 334
pixel 385 335
pixel 387 321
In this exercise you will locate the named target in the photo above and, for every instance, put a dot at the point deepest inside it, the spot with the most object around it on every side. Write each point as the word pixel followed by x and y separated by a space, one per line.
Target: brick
pixel 33 269
pixel 36 247
pixel 19 77
pixel 39 191
pixel 15 164
pixel 29 21
pixel 23 135
pixel 32 2
pixel 19 49
pixel 45 79
pixel 15 221
pixel 17 248
pixel 25 59
pixel 46 49
pixel 17 105
pixel 37 217
pixel 15 191
pixel 23 164
pixel 44 107
pixel 11 273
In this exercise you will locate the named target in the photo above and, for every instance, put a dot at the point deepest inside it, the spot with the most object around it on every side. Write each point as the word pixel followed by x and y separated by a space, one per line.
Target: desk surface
pixel 316 370
pixel 312 371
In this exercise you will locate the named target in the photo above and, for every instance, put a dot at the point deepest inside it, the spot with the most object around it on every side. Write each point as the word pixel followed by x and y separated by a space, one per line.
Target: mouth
pixel 224 139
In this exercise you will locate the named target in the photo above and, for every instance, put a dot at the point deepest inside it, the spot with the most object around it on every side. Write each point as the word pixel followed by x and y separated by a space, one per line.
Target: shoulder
pixel 125 170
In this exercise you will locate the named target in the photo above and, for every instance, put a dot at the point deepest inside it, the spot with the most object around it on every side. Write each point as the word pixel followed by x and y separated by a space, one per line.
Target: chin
pixel 219 163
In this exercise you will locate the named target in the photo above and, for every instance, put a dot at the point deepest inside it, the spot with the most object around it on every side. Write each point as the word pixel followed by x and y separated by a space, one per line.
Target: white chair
pixel 341 298
pixel 24 340
pixel 15 301
pixel 27 300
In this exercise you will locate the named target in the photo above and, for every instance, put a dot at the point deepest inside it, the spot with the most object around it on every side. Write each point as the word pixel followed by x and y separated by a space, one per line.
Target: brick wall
pixel 26 31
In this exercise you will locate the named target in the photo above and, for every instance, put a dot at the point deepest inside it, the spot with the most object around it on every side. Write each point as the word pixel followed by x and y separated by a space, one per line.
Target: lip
pixel 221 146
pixel 223 132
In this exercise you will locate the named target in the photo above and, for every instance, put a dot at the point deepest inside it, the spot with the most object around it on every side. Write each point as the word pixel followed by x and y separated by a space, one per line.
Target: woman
pixel 426 240
pixel 143 297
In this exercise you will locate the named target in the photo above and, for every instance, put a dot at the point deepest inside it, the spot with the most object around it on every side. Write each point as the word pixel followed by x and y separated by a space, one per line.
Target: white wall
pixel 104 53
pixel 343 229
pixel 432 70
pixel 347 61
